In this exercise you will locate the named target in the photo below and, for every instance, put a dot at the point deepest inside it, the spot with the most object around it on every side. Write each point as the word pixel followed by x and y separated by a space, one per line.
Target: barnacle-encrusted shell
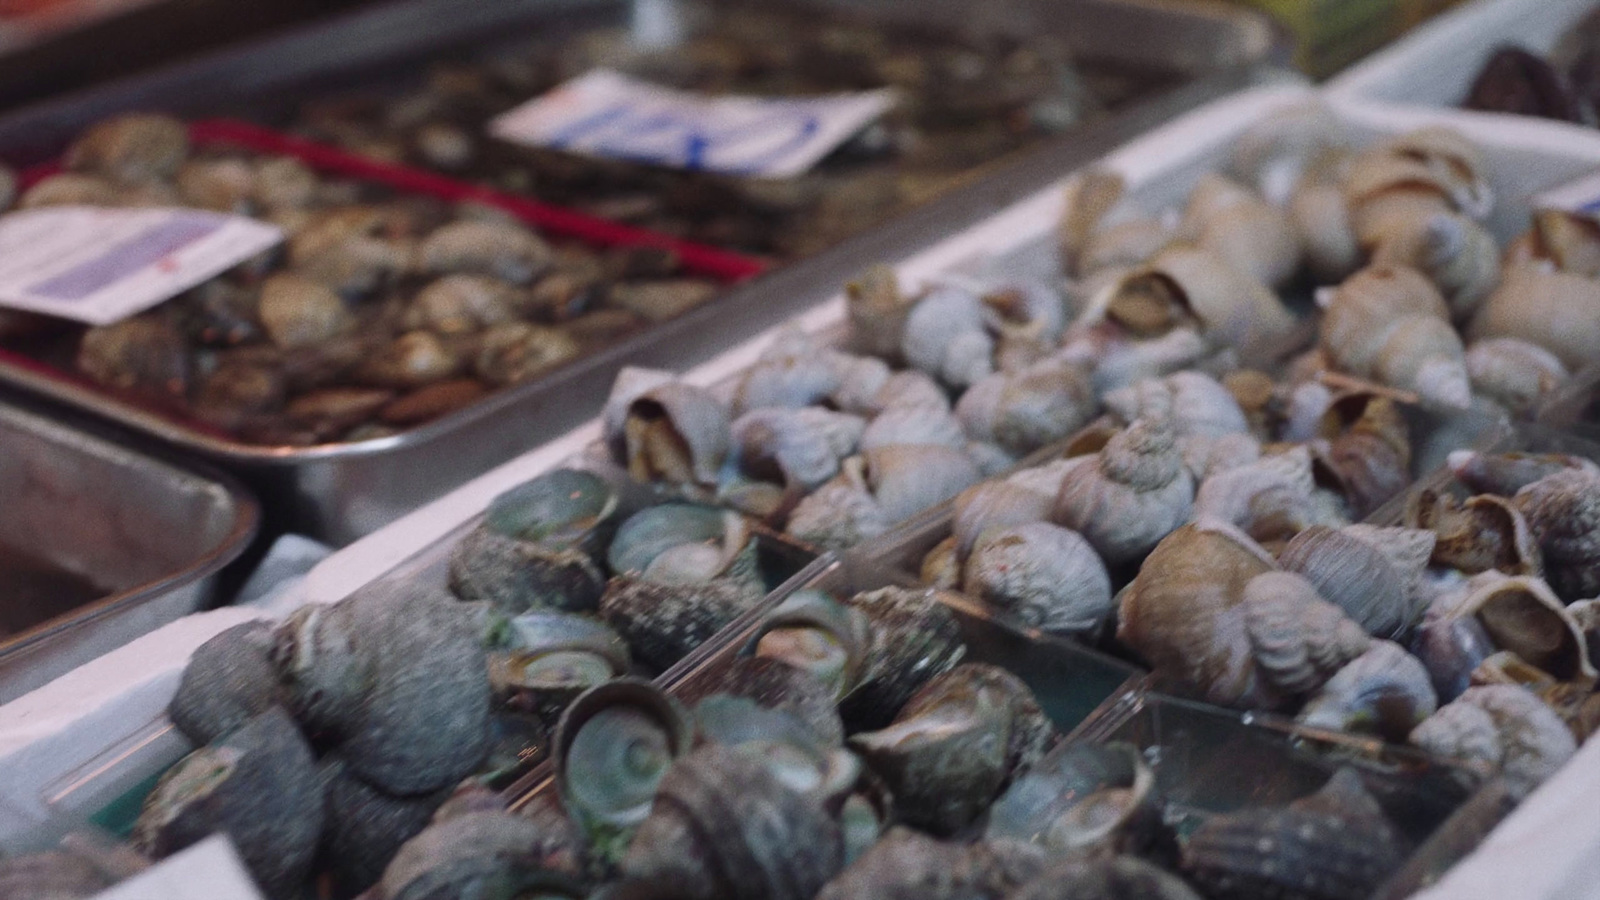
pixel 725 824
pixel 1563 510
pixel 1389 323
pixel 1385 690
pixel 1556 310
pixel 364 827
pixel 956 744
pixel 478 852
pixel 1534 742
pixel 1370 574
pixel 1333 845
pixel 1184 613
pixel 229 680
pixel 909 865
pixel 516 575
pixel 914 637
pixel 1046 576
pixel 1137 493
pixel 945 337
pixel 663 622
pixel 258 785
pixel 1298 639
pixel 778 682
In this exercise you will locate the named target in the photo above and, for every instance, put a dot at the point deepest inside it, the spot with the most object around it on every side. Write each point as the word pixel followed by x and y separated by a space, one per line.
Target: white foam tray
pixel 1435 64
pixel 1534 854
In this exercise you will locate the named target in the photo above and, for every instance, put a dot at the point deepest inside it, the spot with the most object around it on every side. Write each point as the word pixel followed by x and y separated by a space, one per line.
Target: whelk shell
pixel 1390 324
pixel 1556 310
pixel 1385 691
pixel 1135 494
pixel 1044 575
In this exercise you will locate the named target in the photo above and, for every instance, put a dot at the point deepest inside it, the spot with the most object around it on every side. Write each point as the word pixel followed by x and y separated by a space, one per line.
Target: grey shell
pixel 230 679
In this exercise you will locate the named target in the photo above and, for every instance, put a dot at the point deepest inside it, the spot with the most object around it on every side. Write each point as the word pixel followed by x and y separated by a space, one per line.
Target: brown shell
pixel 1563 510
pixel 1483 533
pixel 1557 310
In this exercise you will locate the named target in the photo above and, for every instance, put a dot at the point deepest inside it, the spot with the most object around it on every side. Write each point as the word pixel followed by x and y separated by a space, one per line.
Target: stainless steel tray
pixel 339 492
pixel 138 542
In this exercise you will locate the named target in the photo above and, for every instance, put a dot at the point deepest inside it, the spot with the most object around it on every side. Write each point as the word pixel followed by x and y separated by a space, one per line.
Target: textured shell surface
pixel 364 827
pixel 994 506
pixel 1184 612
pixel 787 381
pixel 1371 460
pixel 796 695
pixel 1461 731
pixel 259 785
pixel 685 543
pixel 1200 404
pixel 1269 499
pixel 1097 878
pixel 499 249
pixel 517 575
pixel 909 865
pixel 1385 690
pixel 1522 614
pixel 1457 254
pixel 52 875
pixel 630 384
pixel 1483 533
pixel 914 637
pixel 945 337
pixel 1515 373
pixel 1024 411
pixel 1299 639
pixel 1563 511
pixel 813 631
pixel 1137 492
pixel 229 680
pixel 955 744
pixel 1535 742
pixel 1081 797
pixel 1507 473
pixel 478 853
pixel 878 311
pixel 725 822
pixel 841 513
pixel 560 507
pixel 1046 576
pixel 1451 645
pixel 663 623
pixel 1353 572
pixel 612 747
pixel 1390 323
pixel 1335 844
pixel 1207 456
pixel 131 148
pixel 862 379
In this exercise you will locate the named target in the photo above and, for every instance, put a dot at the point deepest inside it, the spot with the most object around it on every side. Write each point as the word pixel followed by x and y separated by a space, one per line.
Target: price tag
pixel 210 870
pixel 606 113
pixel 1580 197
pixel 100 265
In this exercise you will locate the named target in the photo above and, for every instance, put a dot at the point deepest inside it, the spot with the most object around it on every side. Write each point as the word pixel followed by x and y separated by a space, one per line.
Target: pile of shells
pixel 1563 85
pixel 378 313
pixel 962 103
pixel 851 752
pixel 329 740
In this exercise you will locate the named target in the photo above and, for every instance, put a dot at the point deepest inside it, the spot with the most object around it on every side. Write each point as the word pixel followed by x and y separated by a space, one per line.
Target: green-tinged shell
pixel 258 785
pixel 914 637
pixel 485 854
pixel 612 748
pixel 326 674
pixel 517 575
pixel 956 744
pixel 1083 797
pixel 1333 845
pixel 364 827
pixel 550 658
pixel 425 723
pixel 909 865
pixel 561 508
pixel 682 544
pixel 776 684
pixel 1105 878
pixel 662 623
pixel 726 824
pixel 812 631
pixel 230 679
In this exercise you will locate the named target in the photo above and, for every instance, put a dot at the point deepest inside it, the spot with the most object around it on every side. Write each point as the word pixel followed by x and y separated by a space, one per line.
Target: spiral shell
pixel 1321 217
pixel 1481 534
pixel 612 747
pixel 1136 493
pixel 1521 614
pixel 1184 614
pixel 1090 197
pixel 1298 639
pixel 1024 411
pixel 1252 235
pixel 878 312
pixel 1333 845
pixel 801 448
pixel 1389 324
pixel 1123 362
pixel 1044 575
pixel 1556 310
pixel 1199 404
pixel 1192 287
pixel 1569 240
pixel 1533 742
pixel 1458 255
pixel 946 338
pixel 908 478
pixel 914 637
pixel 1507 473
pixel 955 745
pixel 787 379
pixel 502 250
pixel 1270 499
pixel 1563 511
pixel 131 149
pixel 1081 798
pixel 841 513
pixel 1370 573
pixel 1370 461
pixel 726 824
pixel 915 425
pixel 1386 691
pixel 676 433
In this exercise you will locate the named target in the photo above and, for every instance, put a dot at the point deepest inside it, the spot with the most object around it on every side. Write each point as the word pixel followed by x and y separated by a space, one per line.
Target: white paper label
pixel 1580 197
pixel 606 113
pixel 100 265
pixel 210 870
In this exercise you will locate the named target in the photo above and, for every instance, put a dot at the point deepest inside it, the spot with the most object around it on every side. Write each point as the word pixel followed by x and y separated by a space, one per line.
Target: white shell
pixel 1046 576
